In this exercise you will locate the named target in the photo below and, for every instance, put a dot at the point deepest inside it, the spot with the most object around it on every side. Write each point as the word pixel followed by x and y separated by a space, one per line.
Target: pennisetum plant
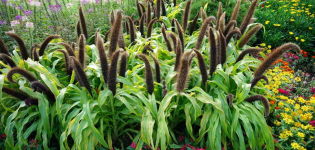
pixel 79 32
pixel 164 13
pixel 213 51
pixel 158 8
pixel 80 74
pixel 34 52
pixel 112 74
pixel 234 32
pixel 68 48
pixel 263 100
pixel 3 48
pixel 123 66
pixel 248 35
pixel 251 50
pixel 219 14
pixel 40 87
pixel 83 22
pixel 249 15
pixel 183 71
pixel 7 59
pixel 256 80
pixel 148 13
pixel 230 26
pixel 132 31
pixel 67 64
pixel 223 46
pixel 202 67
pixel 236 10
pixel 157 69
pixel 103 58
pixel 22 72
pixel 193 25
pixel 44 45
pixel 202 13
pixel 203 31
pixel 20 95
pixel 167 41
pixel 180 33
pixel 150 26
pixel 148 73
pixel 221 22
pixel 141 25
pixel 178 52
pixel 21 44
pixel 82 50
pixel 115 30
pixel 186 15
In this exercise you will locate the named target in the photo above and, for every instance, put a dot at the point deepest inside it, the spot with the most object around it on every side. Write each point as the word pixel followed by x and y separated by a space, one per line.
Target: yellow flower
pixel 292 20
pixel 269 46
pixel 263 44
pixel 302 40
pixel 295 145
pixel 310 28
pixel 283 136
pixel 297 124
pixel 267 22
pixel 297 106
pixel 305 108
pixel 298 79
pixel 277 123
pixel 291 33
pixel 277 25
pixel 301 99
pixel 296 38
pixel 301 135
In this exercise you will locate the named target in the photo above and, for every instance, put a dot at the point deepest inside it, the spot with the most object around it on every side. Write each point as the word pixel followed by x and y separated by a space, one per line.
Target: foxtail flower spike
pixel 82 50
pixel 3 48
pixel 68 48
pixel 167 41
pixel 67 64
pixel 123 66
pixel 193 25
pixel 83 22
pixel 203 31
pixel 236 10
pixel 186 15
pixel 22 72
pixel 257 79
pixel 213 51
pixel 148 73
pixel 7 59
pixel 252 50
pixel 263 100
pixel 249 15
pixel 21 44
pixel 202 67
pixel 132 31
pixel 80 74
pixel 40 87
pixel 248 35
pixel 157 69
pixel 103 59
pixel 115 30
pixel 44 45
pixel 112 74
pixel 183 71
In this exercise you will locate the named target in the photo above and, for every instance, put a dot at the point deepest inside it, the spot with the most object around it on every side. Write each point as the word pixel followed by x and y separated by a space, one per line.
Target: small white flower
pixel 14 23
pixel 29 25
pixel 69 5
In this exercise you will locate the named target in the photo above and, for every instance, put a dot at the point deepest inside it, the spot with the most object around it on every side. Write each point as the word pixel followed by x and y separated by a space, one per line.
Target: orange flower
pixel 272 102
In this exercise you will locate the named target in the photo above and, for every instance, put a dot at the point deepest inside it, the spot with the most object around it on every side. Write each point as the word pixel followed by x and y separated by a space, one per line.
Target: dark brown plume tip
pixel 148 73
pixel 148 13
pixel 213 50
pixel 248 35
pixel 158 8
pixel 183 72
pixel 235 32
pixel 7 59
pixel 248 16
pixel 219 14
pixel 178 52
pixel 203 31
pixel 34 52
pixel 3 48
pixel 67 64
pixel 45 44
pixel 174 2
pixel 80 74
pixel 115 30
pixel 21 44
pixel 79 32
pixel 186 15
pixel 223 46
pixel 275 54
pixel 15 93
pixel 139 9
pixel 112 75
pixel 257 79
pixel 263 100
pixel 164 91
pixel 123 66
pixel 180 32
pixel 132 31
pixel 83 22
pixel 167 41
pixel 141 25
pixel 222 22
pixel 150 26
pixel 202 67
pixel 102 55
pixel 157 69
pixel 40 87
pixel 22 72
pixel 68 48
pixel 164 13
pixel 31 101
pixel 229 99
pixel 82 50
pixel 252 50
pixel 230 26
pixel 193 25
pixel 236 10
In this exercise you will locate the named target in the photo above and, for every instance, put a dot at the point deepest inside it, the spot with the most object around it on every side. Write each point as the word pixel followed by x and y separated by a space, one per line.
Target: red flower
pixel 3 136
pixel 282 91
pixel 133 145
pixel 312 123
pixel 277 107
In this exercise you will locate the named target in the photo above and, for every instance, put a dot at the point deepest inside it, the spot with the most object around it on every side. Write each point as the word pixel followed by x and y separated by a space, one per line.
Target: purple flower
pixel 312 123
pixel 4 1
pixel 97 1
pixel 55 8
pixel 313 90
pixel 27 12
pixel 18 17
pixel 2 22
pixel 90 10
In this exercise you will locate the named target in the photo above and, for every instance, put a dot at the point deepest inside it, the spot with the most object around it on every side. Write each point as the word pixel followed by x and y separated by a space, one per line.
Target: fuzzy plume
pixel 40 87
pixel 178 52
pixel 248 35
pixel 202 66
pixel 139 9
pixel 275 54
pixel 115 33
pixel 34 52
pixel 203 31
pixel 112 17
pixel 31 101
pixel 157 69
pixel 249 15
pixel 103 59
pixel 79 32
pixel 21 44
pixel 22 72
pixel 44 45
pixel 3 48
pixel 163 8
pixel 229 99
pixel 183 71
pixel 82 50
pixel 127 26
pixel 150 26
pixel 222 22
pixel 67 65
pixel 121 41
pixel 180 32
pixel 148 13
pixel 235 32
pixel 15 93
pixel 80 74
pixel 174 2
pixel 174 40
pixel 123 66
pixel 263 100
pixel 193 25
pixel 164 89
pixel 203 14
pixel 236 10
pixel 132 31
pixel 173 25
pixel 158 8
pixel 112 74
pixel 219 14
pixel 7 59
pixel 218 44
pixel 257 79
pixel 213 51
pixel 222 47
pixel 141 25
pixel 186 15
pixel 68 48
pixel 83 22
pixel 229 26
pixel 252 50
pixel 167 41
pixel 147 48
pixel 148 73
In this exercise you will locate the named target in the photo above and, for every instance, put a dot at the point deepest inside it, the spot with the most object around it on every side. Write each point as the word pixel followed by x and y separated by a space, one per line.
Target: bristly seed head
pixel 67 64
pixel 3 48
pixel 183 72
pixel 186 15
pixel 115 30
pixel 257 79
pixel 202 67
pixel 103 58
pixel 252 50
pixel 68 48
pixel 213 50
pixel 22 72
pixel 83 22
pixel 235 32
pixel 112 74
pixel 40 87
pixel 80 74
pixel 132 31
pixel 157 69
pixel 45 44
pixel 123 66
pixel 263 100
pixel 248 16
pixel 7 59
pixel 21 44
pixel 148 73
pixel 167 41
pixel 82 50
pixel 15 93
pixel 203 31
pixel 248 35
